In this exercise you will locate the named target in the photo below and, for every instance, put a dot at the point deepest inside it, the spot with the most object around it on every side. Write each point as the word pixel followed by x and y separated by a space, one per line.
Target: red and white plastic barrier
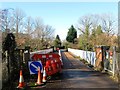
pixel 41 52
pixel 51 62
pixel 60 57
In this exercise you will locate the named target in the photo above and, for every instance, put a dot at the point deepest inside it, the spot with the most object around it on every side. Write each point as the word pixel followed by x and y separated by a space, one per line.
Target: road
pixel 77 75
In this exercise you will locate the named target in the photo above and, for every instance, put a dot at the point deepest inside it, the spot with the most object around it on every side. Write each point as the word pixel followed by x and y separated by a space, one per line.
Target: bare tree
pixel 84 22
pixel 44 33
pixel 39 27
pixel 6 19
pixel 18 19
pixel 49 32
pixel 95 19
pixel 26 30
pixel 29 28
pixel 108 23
pixel 29 24
pixel 97 30
pixel 108 26
pixel 48 35
pixel 38 32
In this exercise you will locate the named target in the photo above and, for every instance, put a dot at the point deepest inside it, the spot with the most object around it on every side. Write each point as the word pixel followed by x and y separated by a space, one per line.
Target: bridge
pixel 75 75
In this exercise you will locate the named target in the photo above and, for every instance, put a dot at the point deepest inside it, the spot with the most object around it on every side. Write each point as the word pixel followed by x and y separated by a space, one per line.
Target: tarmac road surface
pixel 77 75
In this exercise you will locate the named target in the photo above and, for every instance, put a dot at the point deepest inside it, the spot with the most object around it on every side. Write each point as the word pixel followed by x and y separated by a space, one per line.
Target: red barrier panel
pixel 54 66
pixel 49 69
pixel 50 61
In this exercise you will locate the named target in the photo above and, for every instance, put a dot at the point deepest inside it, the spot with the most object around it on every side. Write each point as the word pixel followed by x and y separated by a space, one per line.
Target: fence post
pixel 8 65
pixel 114 60
pixel 6 55
pixel 23 56
pixel 118 73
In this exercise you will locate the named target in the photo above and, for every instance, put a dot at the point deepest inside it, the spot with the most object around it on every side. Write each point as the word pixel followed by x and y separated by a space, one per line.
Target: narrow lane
pixel 76 75
pixel 75 63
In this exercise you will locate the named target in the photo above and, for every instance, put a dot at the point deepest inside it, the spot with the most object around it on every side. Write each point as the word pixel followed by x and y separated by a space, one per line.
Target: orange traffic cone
pixel 44 76
pixel 39 80
pixel 21 81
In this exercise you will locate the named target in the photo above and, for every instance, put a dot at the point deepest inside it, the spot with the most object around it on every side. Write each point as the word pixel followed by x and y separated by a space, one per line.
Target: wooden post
pixel 23 56
pixel 118 69
pixel 21 59
pixel 8 67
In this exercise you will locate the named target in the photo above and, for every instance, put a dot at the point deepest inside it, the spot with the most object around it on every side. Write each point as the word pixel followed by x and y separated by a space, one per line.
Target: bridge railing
pixel 89 56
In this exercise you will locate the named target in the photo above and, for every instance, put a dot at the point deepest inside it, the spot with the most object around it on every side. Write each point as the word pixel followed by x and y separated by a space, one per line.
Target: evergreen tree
pixel 71 35
pixel 9 43
pixel 99 30
pixel 57 41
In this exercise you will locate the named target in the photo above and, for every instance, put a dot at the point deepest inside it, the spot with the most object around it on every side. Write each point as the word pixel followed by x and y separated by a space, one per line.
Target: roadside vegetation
pixel 93 30
pixel 90 30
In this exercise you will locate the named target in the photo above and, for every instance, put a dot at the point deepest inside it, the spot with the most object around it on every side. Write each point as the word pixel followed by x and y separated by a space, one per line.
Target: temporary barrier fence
pixel 41 52
pixel 60 52
pixel 50 61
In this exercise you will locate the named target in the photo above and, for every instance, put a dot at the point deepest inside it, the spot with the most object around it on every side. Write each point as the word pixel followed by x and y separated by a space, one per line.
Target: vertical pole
pixel 118 72
pixel 119 43
pixel 21 60
pixel 28 54
pixel 114 60
pixel 7 58
pixel 23 56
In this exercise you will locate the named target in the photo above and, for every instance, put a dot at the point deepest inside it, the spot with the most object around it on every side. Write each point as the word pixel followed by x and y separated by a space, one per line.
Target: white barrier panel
pixel 41 52
pixel 60 57
pixel 89 56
